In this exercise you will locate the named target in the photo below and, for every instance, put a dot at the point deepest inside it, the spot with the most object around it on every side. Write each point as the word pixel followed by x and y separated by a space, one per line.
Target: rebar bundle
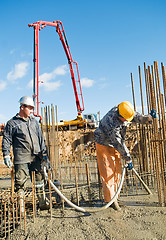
pixel 151 139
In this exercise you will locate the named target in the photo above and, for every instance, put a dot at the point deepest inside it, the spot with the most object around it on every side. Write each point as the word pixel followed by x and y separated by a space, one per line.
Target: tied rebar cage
pixel 151 139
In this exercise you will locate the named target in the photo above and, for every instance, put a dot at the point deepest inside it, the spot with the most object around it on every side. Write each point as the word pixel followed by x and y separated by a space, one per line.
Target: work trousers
pixel 22 171
pixel 109 164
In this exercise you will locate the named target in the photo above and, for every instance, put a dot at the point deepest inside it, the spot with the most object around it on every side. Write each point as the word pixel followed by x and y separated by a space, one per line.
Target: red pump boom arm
pixel 76 83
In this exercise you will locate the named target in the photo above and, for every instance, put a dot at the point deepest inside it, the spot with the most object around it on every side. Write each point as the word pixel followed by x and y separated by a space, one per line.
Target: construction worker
pixel 24 134
pixel 110 145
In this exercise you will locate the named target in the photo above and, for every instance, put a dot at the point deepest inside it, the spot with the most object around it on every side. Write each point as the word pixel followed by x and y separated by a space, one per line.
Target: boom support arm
pixel 76 83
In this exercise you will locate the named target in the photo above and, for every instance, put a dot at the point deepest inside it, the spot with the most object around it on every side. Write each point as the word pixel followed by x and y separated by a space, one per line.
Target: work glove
pixel 153 113
pixel 8 162
pixel 129 165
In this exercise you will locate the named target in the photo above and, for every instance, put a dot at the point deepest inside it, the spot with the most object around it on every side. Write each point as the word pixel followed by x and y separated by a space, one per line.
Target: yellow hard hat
pixel 126 110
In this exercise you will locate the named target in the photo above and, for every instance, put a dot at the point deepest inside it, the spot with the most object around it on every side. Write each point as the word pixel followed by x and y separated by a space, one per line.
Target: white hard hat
pixel 26 100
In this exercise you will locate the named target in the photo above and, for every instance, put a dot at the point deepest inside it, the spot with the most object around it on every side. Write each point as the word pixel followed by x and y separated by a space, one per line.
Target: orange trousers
pixel 109 164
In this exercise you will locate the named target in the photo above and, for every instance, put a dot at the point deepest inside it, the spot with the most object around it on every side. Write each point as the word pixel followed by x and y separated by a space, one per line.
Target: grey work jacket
pixel 111 131
pixel 25 136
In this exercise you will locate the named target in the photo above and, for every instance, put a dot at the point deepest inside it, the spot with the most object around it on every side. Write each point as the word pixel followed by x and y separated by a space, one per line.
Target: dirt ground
pixel 139 219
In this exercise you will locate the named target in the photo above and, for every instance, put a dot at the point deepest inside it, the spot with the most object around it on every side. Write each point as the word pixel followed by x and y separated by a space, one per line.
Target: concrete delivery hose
pixel 101 208
pixel 80 208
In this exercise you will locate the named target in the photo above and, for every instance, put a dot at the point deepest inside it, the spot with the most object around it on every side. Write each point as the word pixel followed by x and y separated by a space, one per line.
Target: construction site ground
pixel 140 218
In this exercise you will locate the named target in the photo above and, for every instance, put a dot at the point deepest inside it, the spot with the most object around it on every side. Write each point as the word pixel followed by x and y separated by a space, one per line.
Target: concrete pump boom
pixel 76 83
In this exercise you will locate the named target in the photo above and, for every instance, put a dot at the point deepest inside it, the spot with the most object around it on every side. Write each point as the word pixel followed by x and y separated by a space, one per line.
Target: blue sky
pixel 108 39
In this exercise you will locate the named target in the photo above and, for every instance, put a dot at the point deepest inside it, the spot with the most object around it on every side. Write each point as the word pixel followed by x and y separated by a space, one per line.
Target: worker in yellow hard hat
pixel 110 145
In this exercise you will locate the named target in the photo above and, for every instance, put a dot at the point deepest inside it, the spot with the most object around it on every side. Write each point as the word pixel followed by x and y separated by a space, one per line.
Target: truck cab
pixel 92 120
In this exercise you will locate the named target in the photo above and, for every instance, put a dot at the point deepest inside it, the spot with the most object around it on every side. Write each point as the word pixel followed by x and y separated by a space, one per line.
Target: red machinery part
pixel 77 87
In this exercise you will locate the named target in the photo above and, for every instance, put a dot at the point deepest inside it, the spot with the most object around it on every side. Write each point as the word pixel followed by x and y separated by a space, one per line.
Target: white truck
pixel 92 119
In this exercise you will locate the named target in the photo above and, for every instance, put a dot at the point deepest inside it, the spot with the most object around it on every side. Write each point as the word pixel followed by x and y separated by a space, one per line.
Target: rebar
pixel 152 138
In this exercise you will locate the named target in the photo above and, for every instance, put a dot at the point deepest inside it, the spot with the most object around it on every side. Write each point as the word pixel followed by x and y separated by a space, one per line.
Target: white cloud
pixel 45 79
pixel 52 86
pixel 86 82
pixel 61 70
pixel 3 85
pixel 19 71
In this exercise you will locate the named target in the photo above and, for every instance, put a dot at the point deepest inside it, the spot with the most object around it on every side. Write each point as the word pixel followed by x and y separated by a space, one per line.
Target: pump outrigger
pixel 108 204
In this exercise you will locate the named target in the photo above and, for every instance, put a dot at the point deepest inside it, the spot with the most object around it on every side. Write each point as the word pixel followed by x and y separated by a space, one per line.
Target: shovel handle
pixel 143 183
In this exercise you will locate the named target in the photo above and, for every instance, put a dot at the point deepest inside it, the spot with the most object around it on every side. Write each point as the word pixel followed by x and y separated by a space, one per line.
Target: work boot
pixel 44 203
pixel 115 206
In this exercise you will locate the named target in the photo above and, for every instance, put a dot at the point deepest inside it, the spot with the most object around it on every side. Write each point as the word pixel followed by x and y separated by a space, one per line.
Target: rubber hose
pixel 83 209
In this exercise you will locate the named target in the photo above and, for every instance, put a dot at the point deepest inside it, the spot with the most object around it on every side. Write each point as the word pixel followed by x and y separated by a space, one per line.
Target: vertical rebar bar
pixel 33 194
pixel 76 183
pixel 164 80
pixel 24 215
pixel 50 193
pixel 88 181
pixel 161 143
pixel 155 123
pixel 53 143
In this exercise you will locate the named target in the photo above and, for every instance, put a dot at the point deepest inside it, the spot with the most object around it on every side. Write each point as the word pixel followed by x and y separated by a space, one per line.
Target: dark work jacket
pixel 111 131
pixel 25 136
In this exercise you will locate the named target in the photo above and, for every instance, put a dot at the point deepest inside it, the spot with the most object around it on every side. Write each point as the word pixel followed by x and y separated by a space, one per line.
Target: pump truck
pixel 79 122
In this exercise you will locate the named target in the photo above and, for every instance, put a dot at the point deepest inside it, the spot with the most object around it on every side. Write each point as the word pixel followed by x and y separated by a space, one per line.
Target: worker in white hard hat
pixel 110 145
pixel 24 134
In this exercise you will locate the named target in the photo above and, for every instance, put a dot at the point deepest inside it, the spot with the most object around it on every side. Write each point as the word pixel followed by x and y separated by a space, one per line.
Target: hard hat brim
pixel 129 119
